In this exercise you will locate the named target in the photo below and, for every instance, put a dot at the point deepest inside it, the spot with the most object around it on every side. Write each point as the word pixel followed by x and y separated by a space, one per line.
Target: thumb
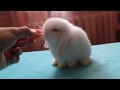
pixel 24 31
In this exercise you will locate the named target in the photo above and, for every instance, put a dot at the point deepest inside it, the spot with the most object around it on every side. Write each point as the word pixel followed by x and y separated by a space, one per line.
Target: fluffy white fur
pixel 69 44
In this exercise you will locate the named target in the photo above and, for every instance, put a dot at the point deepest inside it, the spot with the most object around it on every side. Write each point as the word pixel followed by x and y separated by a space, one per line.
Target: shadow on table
pixel 79 72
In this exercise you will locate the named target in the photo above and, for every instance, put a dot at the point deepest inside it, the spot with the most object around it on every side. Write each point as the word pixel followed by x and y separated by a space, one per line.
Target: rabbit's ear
pixel 46 44
pixel 62 45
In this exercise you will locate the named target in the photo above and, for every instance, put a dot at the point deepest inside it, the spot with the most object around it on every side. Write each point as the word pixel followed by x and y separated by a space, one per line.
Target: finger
pixel 24 43
pixel 16 51
pixel 14 59
pixel 38 37
pixel 25 31
pixel 28 41
pixel 38 30
pixel 22 32
pixel 11 58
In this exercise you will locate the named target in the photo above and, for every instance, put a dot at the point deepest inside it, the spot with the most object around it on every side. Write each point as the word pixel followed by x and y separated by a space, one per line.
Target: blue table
pixel 37 65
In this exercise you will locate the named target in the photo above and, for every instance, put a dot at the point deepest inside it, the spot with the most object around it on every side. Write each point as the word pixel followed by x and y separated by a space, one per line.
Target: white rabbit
pixel 68 44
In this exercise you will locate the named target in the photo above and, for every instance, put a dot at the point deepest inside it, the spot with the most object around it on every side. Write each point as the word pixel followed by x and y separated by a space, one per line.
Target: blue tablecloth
pixel 37 65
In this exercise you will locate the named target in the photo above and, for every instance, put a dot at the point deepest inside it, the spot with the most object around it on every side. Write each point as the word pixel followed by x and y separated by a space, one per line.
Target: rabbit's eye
pixel 55 30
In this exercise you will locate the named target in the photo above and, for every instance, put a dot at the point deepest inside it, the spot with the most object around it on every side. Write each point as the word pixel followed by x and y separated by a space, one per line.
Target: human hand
pixel 12 40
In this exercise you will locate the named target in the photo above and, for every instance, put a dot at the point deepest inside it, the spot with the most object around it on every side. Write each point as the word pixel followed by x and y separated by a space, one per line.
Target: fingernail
pixel 20 52
pixel 34 32
pixel 14 58
pixel 14 61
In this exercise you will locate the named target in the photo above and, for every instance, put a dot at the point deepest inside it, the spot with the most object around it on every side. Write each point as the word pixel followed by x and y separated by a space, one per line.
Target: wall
pixel 27 18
